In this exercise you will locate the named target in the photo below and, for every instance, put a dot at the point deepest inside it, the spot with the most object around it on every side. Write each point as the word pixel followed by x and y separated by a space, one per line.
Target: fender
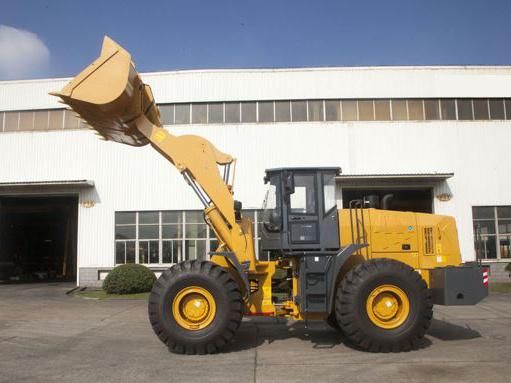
pixel 338 262
pixel 231 262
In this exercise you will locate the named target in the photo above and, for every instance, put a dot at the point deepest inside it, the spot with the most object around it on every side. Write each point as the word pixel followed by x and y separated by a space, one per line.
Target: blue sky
pixel 168 35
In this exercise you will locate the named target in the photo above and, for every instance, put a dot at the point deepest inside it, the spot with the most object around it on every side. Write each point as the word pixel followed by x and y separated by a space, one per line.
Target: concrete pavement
pixel 47 336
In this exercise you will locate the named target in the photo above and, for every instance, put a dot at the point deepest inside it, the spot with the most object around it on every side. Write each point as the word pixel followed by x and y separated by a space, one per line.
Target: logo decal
pixel 159 136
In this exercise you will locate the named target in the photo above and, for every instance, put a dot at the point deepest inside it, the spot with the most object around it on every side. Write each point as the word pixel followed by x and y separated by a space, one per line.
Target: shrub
pixel 129 279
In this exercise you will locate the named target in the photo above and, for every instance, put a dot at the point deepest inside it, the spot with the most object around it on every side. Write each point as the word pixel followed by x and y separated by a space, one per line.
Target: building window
pixel 199 113
pixel 182 113
pixel 298 110
pixel 366 110
pixel 315 108
pixel 399 110
pixel 266 111
pixel 349 110
pixel 248 112
pixel 481 111
pixel 216 113
pixel 55 119
pixel 11 121
pixel 497 109
pixel 172 234
pixel 448 109
pixel 282 111
pixel 415 110
pixel 196 235
pixel 26 120
pixel 507 105
pixel 125 237
pixel 492 232
pixel 333 110
pixel 167 237
pixel 166 114
pixel 41 120
pixel 71 121
pixel 465 111
pixel 232 112
pixel 432 109
pixel 148 235
pixel 382 110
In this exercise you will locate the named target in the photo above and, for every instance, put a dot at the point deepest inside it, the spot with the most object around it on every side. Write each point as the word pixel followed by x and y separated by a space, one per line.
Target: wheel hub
pixel 194 308
pixel 388 306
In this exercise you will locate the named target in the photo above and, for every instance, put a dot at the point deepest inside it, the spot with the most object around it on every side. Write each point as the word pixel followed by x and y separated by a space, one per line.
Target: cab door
pixel 303 222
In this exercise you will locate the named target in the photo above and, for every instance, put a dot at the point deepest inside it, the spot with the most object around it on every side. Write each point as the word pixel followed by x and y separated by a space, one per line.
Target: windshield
pixel 271 206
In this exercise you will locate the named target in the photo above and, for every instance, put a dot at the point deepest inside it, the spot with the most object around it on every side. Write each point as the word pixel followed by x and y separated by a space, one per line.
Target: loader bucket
pixel 109 95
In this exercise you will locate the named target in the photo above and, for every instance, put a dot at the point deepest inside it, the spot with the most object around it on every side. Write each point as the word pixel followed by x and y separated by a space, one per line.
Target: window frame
pixel 208 239
pixel 497 235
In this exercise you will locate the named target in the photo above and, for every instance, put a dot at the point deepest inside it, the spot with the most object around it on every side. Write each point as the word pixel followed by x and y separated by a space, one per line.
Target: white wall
pixel 289 84
pixel 129 178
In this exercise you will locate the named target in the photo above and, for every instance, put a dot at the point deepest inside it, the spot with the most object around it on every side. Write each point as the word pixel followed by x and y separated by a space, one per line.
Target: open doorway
pixel 38 238
pixel 418 200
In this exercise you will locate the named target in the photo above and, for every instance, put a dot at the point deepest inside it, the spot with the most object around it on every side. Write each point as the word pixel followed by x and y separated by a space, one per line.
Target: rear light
pixel 485 277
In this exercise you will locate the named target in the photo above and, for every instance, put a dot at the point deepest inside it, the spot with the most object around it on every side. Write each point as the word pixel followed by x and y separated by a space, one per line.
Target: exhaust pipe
pixel 386 201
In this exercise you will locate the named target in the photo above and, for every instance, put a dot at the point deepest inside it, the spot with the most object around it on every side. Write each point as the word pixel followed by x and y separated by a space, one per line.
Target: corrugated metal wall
pixel 129 178
pixel 274 84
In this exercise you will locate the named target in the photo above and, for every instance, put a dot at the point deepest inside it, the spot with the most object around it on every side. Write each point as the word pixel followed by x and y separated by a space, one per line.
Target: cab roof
pixel 325 169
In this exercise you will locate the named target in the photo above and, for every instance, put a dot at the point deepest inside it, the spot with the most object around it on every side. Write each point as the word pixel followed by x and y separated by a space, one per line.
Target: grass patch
pixel 102 295
pixel 500 287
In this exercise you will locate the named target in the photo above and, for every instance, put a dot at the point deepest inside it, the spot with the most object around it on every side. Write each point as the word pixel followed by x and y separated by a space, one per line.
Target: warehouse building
pixel 72 206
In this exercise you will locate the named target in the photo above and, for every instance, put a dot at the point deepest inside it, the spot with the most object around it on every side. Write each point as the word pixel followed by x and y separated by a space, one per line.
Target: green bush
pixel 129 279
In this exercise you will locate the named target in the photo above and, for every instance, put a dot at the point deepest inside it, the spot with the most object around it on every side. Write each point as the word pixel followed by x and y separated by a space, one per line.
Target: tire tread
pixel 345 306
pixel 224 279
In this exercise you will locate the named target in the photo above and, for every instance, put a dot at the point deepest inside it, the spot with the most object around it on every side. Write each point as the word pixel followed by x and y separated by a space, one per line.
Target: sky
pixel 43 38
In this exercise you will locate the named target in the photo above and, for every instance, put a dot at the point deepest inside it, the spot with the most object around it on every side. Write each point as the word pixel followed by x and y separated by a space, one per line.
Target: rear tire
pixel 195 307
pixel 383 305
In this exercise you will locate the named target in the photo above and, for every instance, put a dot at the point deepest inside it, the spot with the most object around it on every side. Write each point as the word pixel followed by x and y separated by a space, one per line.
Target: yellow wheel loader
pixel 372 273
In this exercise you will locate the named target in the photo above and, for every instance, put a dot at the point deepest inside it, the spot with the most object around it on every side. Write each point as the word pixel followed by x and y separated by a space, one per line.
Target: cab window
pixel 329 192
pixel 303 200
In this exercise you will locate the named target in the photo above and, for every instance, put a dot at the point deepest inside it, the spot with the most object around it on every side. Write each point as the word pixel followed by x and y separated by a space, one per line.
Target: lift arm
pixel 110 95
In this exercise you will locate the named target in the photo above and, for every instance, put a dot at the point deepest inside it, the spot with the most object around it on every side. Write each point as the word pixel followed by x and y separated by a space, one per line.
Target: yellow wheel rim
pixel 388 306
pixel 194 308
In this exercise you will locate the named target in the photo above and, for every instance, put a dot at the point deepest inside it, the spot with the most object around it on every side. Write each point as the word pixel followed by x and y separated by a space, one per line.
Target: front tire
pixel 383 305
pixel 195 307
pixel 331 320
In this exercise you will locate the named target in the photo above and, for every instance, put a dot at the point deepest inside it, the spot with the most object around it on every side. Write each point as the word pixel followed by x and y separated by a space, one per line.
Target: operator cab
pixel 300 210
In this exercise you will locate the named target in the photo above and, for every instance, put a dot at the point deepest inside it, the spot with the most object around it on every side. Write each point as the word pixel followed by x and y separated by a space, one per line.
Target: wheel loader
pixel 371 273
